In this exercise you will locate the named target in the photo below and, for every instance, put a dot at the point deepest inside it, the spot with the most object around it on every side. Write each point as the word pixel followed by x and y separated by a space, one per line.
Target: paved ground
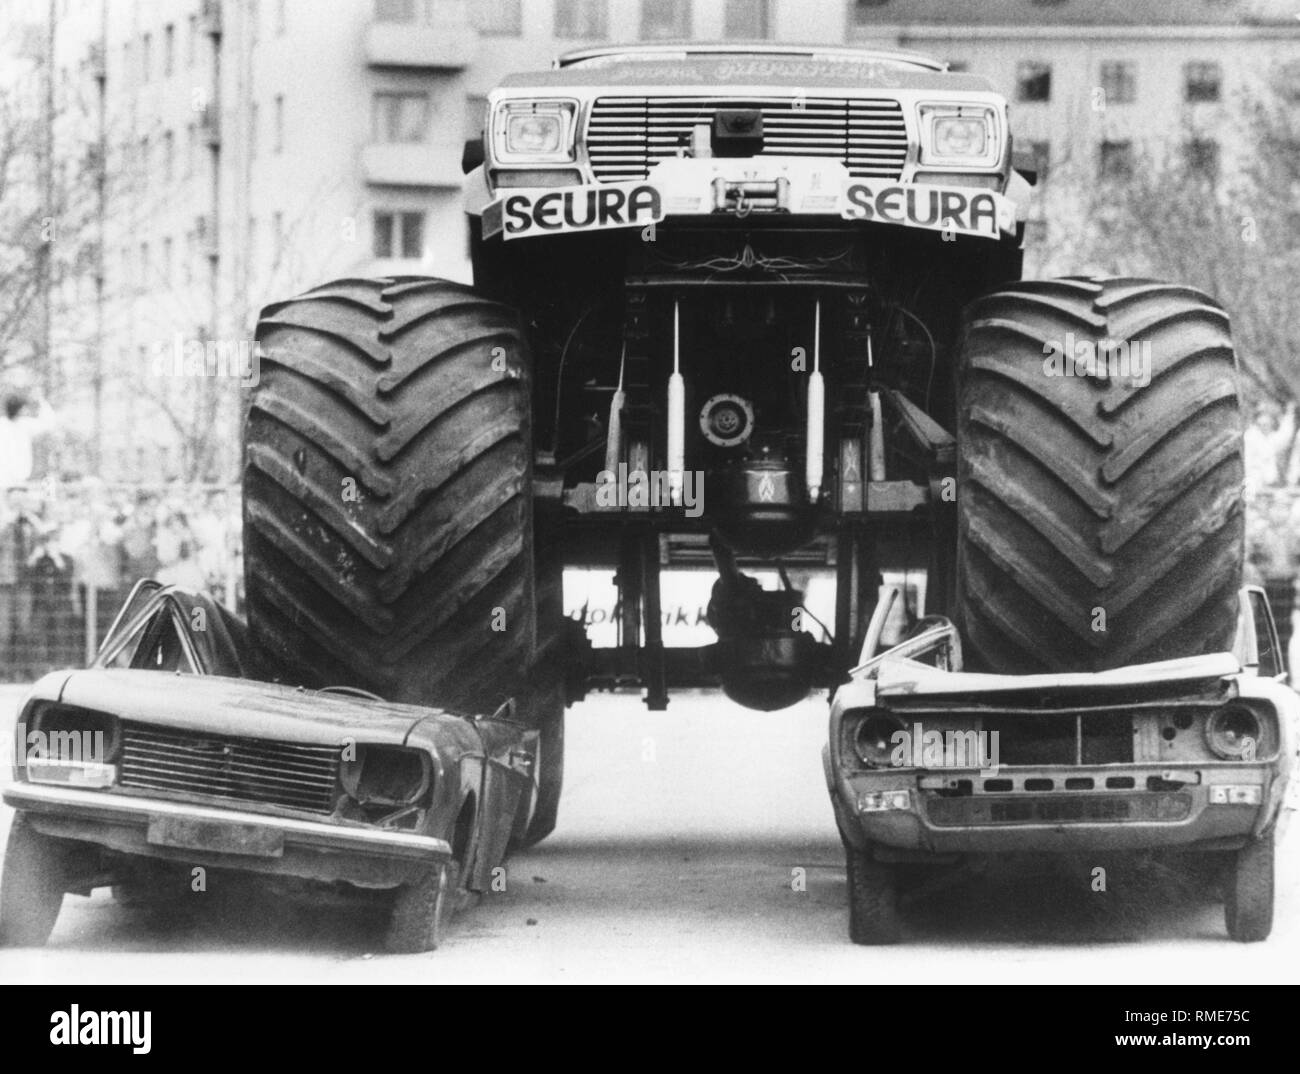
pixel 677 858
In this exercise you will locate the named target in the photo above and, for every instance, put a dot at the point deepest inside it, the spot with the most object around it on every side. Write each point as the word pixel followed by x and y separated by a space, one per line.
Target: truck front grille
pixel 625 135
pixel 220 766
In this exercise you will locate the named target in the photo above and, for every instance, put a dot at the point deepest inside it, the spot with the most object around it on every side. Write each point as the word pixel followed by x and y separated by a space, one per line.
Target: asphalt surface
pixel 694 845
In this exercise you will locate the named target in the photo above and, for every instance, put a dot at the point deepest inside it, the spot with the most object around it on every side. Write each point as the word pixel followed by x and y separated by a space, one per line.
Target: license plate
pixel 216 836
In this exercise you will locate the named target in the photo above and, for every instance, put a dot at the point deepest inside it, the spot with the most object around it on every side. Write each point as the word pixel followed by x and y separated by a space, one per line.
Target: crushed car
pixel 930 765
pixel 165 757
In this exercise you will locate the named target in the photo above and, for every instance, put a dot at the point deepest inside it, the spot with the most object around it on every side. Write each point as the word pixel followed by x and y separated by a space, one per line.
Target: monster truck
pixel 787 278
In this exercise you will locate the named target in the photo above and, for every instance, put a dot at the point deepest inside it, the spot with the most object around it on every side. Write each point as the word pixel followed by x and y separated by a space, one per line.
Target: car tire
pixel 1100 521
pixel 36 872
pixel 539 814
pixel 421 911
pixel 1248 903
pixel 873 899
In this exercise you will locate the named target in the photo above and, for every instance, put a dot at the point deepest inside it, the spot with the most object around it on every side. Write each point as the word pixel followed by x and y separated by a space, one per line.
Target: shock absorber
pixel 676 414
pixel 816 413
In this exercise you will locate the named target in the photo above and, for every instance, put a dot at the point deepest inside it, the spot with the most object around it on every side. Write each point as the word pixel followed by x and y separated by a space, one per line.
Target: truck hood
pixel 753 73
pixel 237 707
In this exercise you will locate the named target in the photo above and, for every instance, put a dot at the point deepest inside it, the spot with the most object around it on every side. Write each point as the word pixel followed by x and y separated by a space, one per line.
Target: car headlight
pixel 534 132
pixel 386 775
pixel 960 135
pixel 67 745
pixel 1235 733
pixel 873 739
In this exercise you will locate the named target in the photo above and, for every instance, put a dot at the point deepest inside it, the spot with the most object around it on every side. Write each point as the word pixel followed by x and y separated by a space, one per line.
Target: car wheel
pixel 873 899
pixel 35 877
pixel 421 910
pixel 1248 907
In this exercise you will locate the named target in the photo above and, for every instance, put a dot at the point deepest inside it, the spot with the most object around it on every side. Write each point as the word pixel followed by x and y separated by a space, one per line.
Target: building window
pixel 1202 156
pixel 254 116
pixel 191 41
pixel 281 17
pixel 579 19
pixel 1042 154
pixel 394 10
pixel 169 156
pixel 475 116
pixel 401 117
pixel 663 20
pixel 278 235
pixel 167 261
pixel 169 51
pixel 1115 160
pixel 501 17
pixel 144 162
pixel 863 13
pixel 747 19
pixel 143 281
pixel 399 235
pixel 1202 81
pixel 1033 81
pixel 278 146
pixel 1288 82
pixel 1119 81
pixel 254 20
pixel 146 49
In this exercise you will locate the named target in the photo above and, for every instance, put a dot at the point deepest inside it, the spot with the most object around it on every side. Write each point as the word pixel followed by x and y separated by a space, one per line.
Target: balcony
pixel 445 43
pixel 419 165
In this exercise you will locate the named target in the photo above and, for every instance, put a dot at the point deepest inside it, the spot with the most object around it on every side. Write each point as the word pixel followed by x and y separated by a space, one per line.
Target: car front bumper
pixel 1129 807
pixel 225 838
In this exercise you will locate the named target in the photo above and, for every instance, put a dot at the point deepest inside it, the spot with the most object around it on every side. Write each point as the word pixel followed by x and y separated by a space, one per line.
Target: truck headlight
pixel 534 132
pixel 67 745
pixel 1235 733
pixel 960 136
pixel 386 775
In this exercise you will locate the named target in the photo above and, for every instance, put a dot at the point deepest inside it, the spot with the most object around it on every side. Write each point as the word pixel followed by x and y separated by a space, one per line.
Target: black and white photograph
pixel 649 492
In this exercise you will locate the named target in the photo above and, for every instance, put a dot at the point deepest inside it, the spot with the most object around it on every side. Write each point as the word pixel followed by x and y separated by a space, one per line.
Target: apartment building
pixel 223 153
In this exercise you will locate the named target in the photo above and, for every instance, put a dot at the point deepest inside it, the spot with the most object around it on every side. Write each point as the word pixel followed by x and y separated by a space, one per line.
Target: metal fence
pixel 70 552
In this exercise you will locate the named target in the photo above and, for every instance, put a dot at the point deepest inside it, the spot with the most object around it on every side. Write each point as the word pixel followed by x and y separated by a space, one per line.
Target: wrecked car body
pixel 162 759
pixel 928 765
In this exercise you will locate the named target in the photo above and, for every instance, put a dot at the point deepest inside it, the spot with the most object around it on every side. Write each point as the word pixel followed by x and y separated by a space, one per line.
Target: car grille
pixel 990 811
pixel 625 135
pixel 219 766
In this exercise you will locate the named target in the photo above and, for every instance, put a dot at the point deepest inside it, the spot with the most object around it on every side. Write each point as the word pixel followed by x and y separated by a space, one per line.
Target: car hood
pixel 238 707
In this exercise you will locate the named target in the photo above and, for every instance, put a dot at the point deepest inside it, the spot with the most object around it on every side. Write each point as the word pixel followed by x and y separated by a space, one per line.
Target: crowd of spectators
pixel 58 541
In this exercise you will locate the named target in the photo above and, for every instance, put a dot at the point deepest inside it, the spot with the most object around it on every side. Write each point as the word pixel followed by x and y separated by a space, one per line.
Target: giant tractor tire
pixel 1100 519
pixel 387 496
